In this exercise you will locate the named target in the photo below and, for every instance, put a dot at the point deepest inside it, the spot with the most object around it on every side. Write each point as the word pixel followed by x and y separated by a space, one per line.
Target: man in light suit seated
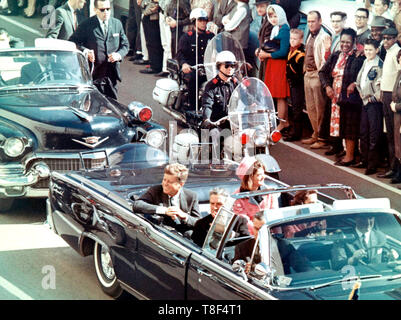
pixel 366 247
pixel 178 205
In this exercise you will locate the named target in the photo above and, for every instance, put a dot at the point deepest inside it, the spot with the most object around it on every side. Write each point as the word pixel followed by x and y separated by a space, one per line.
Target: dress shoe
pixel 370 171
pixel 342 163
pixel 340 154
pixel 8 12
pixel 285 130
pixel 140 62
pixel 292 138
pixel 389 174
pixel 361 165
pixel 319 145
pixel 395 180
pixel 149 71
pixel 309 141
pixel 333 151
pixel 162 74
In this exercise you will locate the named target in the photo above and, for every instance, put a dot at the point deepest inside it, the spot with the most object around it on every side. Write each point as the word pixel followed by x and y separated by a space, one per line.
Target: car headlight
pixel 260 137
pixel 14 147
pixel 155 138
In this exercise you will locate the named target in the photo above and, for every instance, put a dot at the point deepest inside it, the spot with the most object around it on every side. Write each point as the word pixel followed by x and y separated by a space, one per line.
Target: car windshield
pixel 42 68
pixel 320 250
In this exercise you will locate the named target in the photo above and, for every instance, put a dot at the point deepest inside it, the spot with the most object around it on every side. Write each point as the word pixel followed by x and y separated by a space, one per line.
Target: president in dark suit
pixel 365 248
pixel 66 20
pixel 178 205
pixel 217 199
pixel 102 37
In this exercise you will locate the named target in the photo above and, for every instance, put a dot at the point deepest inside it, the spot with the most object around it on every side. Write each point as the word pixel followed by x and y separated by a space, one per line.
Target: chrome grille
pixel 7 170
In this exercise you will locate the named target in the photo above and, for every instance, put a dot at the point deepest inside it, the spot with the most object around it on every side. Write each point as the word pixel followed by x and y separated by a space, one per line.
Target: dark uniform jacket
pixel 89 35
pixel 216 97
pixel 187 47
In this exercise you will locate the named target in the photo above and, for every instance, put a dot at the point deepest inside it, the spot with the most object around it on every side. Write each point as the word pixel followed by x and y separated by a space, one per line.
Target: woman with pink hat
pixel 252 174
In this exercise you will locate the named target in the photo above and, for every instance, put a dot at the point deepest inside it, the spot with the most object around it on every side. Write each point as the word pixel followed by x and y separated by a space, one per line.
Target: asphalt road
pixel 36 264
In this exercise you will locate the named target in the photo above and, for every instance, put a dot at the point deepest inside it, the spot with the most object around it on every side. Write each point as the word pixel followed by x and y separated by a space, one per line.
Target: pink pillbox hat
pixel 245 167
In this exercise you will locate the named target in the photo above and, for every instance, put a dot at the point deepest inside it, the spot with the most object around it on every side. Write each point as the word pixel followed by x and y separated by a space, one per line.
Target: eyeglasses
pixel 388 38
pixel 360 17
pixel 104 9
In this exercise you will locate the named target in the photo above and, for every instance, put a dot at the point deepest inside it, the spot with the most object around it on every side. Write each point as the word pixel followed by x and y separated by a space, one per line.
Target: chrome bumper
pixel 15 183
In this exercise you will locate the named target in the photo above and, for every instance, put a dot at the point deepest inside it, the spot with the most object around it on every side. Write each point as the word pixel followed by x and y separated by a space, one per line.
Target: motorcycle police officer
pixel 217 95
pixel 188 56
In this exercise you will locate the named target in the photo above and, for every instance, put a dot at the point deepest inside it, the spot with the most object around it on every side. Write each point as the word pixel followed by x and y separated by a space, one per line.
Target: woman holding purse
pixel 274 52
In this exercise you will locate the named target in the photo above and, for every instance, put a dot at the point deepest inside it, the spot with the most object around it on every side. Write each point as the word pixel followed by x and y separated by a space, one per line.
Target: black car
pixel 50 111
pixel 92 211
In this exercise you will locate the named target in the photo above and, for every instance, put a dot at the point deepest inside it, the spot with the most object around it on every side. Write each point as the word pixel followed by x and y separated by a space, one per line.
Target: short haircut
pixel 300 196
pixel 299 32
pixel 372 42
pixel 343 15
pixel 385 2
pixel 350 32
pixel 178 170
pixel 319 16
pixel 219 192
pixel 364 10
pixel 97 1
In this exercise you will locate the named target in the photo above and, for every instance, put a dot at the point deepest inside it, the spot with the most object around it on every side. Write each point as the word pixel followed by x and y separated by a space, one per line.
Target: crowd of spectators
pixel 345 80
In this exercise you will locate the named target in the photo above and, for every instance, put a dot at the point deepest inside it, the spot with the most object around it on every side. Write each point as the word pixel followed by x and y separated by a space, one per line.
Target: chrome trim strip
pixel 132 291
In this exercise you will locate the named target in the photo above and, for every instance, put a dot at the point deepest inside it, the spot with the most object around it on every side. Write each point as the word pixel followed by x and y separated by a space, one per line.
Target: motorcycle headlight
pixel 14 147
pixel 155 138
pixel 260 137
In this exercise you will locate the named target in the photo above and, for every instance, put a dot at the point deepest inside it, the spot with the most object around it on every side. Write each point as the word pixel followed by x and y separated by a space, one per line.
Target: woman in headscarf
pixel 276 61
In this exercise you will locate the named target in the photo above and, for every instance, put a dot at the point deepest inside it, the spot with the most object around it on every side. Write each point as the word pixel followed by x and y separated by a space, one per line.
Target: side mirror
pixel 264 272
pixel 239 267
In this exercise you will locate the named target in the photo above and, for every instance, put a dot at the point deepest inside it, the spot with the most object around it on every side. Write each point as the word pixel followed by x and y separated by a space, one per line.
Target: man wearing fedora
pixel 386 86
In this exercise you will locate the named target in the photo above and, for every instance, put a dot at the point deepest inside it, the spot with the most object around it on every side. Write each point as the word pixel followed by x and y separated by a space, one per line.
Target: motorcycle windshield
pixel 251 107
pixel 222 42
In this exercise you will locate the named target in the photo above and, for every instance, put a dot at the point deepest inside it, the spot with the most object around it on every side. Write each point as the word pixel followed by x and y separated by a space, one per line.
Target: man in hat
pixel 377 27
pixel 191 51
pixel 386 86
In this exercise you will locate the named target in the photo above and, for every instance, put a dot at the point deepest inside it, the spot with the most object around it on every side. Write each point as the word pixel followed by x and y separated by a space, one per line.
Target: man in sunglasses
pixel 217 94
pixel 103 39
pixel 191 51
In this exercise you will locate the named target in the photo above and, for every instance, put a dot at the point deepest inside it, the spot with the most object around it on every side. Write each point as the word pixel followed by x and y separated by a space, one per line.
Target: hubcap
pixel 107 265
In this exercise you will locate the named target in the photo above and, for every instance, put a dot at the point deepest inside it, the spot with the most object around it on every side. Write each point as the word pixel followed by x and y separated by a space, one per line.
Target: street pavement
pixel 36 264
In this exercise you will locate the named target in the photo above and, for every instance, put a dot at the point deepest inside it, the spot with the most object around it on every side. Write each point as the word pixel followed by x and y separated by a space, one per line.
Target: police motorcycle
pixel 251 114
pixel 173 92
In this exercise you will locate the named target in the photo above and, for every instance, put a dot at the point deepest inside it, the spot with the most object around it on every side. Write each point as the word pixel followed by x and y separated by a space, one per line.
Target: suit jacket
pixel 30 71
pixel 155 197
pixel 202 226
pixel 63 28
pixel 224 9
pixel 344 250
pixel 89 35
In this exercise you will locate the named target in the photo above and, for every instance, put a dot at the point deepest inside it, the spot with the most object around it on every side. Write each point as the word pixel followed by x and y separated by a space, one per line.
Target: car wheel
pixel 105 271
pixel 6 204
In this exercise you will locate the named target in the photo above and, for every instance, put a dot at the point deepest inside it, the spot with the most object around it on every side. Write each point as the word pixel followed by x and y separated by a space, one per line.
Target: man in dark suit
pixel 225 7
pixel 66 20
pixel 366 247
pixel 43 68
pixel 178 205
pixel 102 38
pixel 217 198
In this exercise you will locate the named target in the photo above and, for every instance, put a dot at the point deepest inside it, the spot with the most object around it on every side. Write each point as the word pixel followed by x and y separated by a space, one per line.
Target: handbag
pixel 271 46
pixel 352 101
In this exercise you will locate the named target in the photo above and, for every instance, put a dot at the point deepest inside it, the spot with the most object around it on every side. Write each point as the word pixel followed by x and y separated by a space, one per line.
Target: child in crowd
pixel 295 78
pixel 371 127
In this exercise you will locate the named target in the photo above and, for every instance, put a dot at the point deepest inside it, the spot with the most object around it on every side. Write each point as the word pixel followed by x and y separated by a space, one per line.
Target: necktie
pixel 105 28
pixel 75 19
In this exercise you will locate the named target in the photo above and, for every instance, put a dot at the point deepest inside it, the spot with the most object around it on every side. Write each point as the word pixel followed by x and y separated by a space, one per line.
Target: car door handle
pixel 202 272
pixel 181 260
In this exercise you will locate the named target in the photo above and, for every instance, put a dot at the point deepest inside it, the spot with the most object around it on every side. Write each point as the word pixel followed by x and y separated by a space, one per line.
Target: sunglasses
pixel 230 65
pixel 104 9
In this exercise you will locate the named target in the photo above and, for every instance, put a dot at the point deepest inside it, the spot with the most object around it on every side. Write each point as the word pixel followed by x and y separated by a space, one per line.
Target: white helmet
pixel 225 56
pixel 198 13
